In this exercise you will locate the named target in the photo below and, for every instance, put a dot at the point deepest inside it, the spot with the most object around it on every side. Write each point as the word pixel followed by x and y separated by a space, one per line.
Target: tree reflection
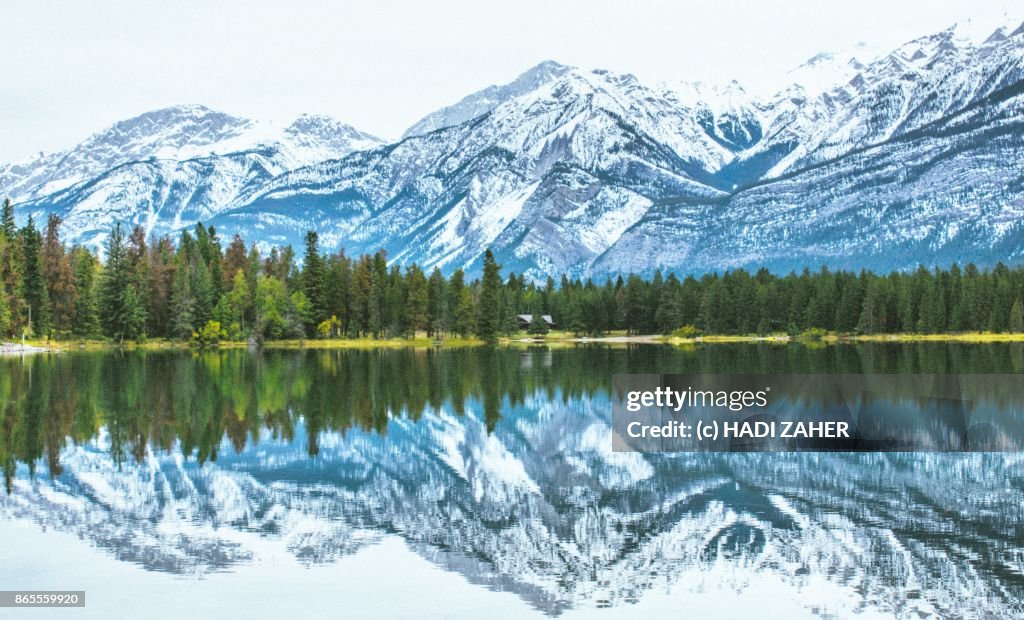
pixel 192 401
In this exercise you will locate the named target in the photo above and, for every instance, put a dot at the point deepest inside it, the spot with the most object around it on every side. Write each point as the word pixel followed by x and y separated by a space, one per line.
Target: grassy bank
pixel 555 338
pixel 833 338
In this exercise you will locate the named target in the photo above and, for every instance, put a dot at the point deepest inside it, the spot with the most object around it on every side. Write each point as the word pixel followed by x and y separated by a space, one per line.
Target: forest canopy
pixel 196 288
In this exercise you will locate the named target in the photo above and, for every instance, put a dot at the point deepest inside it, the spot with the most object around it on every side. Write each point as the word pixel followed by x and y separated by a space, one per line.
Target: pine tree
pixel 160 270
pixel 460 304
pixel 1016 321
pixel 120 304
pixel 488 318
pixel 376 317
pixel 133 320
pixel 437 304
pixel 182 302
pixel 848 310
pixel 59 276
pixel 33 283
pixel 86 323
pixel 8 301
pixel 417 298
pixel 10 269
pixel 7 227
pixel 313 282
pixel 338 282
pixel 359 296
pixel 204 298
pixel 538 326
pixel 393 309
pixel 235 258
pixel 5 313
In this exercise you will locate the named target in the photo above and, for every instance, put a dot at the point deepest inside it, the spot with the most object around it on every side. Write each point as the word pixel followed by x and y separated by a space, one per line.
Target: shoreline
pixel 422 342
pixel 15 348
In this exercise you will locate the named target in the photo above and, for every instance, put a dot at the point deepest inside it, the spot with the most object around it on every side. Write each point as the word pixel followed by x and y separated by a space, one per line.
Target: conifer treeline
pixel 195 288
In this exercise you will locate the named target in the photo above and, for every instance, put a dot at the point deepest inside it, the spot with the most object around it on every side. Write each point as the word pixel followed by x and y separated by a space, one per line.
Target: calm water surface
pixel 462 482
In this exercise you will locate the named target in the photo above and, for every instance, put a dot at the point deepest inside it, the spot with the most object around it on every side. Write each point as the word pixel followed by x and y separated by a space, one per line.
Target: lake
pixel 461 482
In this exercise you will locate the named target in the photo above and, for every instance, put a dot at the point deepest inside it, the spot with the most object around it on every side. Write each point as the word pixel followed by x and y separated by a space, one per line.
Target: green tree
pixel 460 304
pixel 33 282
pixel 7 227
pixel 86 323
pixel 60 279
pixel 488 318
pixel 182 302
pixel 121 308
pixel 417 298
pixel 313 281
pixel 134 314
pixel 1016 321
pixel 538 326
pixel 239 300
pixel 438 316
pixel 5 312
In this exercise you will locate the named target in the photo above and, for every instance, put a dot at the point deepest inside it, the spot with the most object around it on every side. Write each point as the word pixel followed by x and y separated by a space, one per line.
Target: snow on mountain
pixel 169 168
pixel 915 169
pixel 727 113
pixel 863 158
pixel 550 178
pixel 176 133
pixel 482 102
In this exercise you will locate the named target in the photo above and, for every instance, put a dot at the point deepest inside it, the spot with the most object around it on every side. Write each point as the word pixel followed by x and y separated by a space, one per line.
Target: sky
pixel 70 68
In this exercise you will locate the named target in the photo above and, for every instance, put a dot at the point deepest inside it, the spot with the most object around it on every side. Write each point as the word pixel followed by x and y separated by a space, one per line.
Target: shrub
pixel 814 333
pixel 686 331
pixel 210 335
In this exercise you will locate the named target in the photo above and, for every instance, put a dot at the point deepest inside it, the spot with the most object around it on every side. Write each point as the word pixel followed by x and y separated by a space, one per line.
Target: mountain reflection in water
pixel 497 465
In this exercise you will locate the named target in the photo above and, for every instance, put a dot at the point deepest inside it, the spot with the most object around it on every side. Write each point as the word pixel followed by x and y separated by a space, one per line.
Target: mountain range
pixel 864 160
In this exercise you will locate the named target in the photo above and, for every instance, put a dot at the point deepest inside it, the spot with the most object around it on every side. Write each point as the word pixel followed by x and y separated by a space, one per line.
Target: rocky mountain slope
pixel 881 160
pixel 169 168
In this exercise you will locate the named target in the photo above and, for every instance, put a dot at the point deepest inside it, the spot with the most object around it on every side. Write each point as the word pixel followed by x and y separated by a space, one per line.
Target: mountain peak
pixel 324 126
pixel 483 101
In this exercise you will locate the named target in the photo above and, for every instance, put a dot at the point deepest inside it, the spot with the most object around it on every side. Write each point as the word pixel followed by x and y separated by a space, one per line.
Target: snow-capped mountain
pixel 483 101
pixel 170 167
pixel 912 161
pixel 864 159
pixel 550 179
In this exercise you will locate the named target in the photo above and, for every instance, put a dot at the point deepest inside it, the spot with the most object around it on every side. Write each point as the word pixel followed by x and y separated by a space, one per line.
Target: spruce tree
pixel 60 279
pixel 114 287
pixel 33 282
pixel 417 298
pixel 437 304
pixel 86 323
pixel 460 305
pixel 488 318
pixel 7 227
pixel 538 326
pixel 182 302
pixel 313 282
pixel 5 313
pixel 133 314
pixel 1016 322
pixel 10 281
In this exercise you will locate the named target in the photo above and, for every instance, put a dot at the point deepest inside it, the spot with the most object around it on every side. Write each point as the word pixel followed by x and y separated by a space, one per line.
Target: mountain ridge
pixel 584 172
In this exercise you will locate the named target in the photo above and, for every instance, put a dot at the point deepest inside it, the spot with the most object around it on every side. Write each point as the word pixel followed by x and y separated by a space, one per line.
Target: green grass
pixel 554 338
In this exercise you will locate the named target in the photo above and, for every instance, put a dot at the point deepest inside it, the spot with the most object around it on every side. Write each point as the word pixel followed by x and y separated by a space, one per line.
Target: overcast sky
pixel 68 69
